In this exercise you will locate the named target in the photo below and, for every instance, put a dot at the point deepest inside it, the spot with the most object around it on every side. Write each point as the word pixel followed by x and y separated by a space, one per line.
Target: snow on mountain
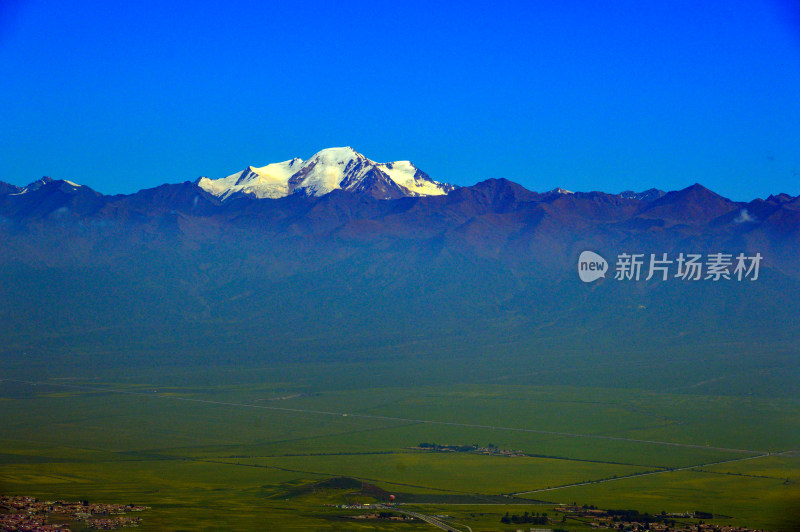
pixel 648 195
pixel 327 170
pixel 271 181
pixel 330 169
pixel 8 188
pixel 405 174
pixel 39 183
pixel 36 185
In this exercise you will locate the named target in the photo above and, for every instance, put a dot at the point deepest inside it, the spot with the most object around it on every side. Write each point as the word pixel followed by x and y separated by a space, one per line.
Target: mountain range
pixel 340 193
pixel 339 255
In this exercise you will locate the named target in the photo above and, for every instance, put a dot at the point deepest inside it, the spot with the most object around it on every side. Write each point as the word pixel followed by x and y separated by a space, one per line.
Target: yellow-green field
pixel 235 454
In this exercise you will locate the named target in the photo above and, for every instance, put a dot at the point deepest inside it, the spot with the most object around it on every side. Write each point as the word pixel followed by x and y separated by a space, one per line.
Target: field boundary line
pixel 646 473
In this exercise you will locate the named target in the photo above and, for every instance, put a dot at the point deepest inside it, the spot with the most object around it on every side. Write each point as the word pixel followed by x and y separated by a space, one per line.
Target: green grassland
pixel 232 448
pixel 771 503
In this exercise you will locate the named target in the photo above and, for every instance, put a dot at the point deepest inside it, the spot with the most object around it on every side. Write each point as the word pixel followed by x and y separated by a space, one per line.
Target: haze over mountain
pixel 218 270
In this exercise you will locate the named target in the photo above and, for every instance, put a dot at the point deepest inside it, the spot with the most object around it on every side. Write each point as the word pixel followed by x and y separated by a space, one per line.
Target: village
pixel 632 520
pixel 490 449
pixel 29 514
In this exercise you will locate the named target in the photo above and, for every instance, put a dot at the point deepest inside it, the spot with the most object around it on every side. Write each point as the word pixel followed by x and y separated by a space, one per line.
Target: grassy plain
pixel 231 446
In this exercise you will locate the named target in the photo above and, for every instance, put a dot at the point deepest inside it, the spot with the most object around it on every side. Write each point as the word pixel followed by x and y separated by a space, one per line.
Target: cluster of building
pixel 29 523
pixel 632 521
pixel 384 515
pixel 475 448
pixel 113 523
pixel 364 506
pixel 28 514
pixel 675 527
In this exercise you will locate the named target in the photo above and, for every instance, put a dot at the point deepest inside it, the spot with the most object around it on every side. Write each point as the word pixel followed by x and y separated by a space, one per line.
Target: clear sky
pixel 585 95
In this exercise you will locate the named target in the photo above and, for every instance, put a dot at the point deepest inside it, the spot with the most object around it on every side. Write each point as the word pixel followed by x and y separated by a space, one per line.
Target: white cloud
pixel 744 217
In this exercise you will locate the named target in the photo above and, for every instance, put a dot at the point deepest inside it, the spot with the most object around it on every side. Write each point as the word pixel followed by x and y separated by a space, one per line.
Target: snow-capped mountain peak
pixel 330 169
pixel 338 156
pixel 36 185
pixel 46 180
pixel 327 170
pixel 271 181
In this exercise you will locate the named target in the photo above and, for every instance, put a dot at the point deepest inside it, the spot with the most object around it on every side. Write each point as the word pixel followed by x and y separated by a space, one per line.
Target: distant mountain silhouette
pixel 304 275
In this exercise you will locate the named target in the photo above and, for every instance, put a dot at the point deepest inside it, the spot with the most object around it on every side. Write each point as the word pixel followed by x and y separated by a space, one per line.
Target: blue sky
pixel 582 95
